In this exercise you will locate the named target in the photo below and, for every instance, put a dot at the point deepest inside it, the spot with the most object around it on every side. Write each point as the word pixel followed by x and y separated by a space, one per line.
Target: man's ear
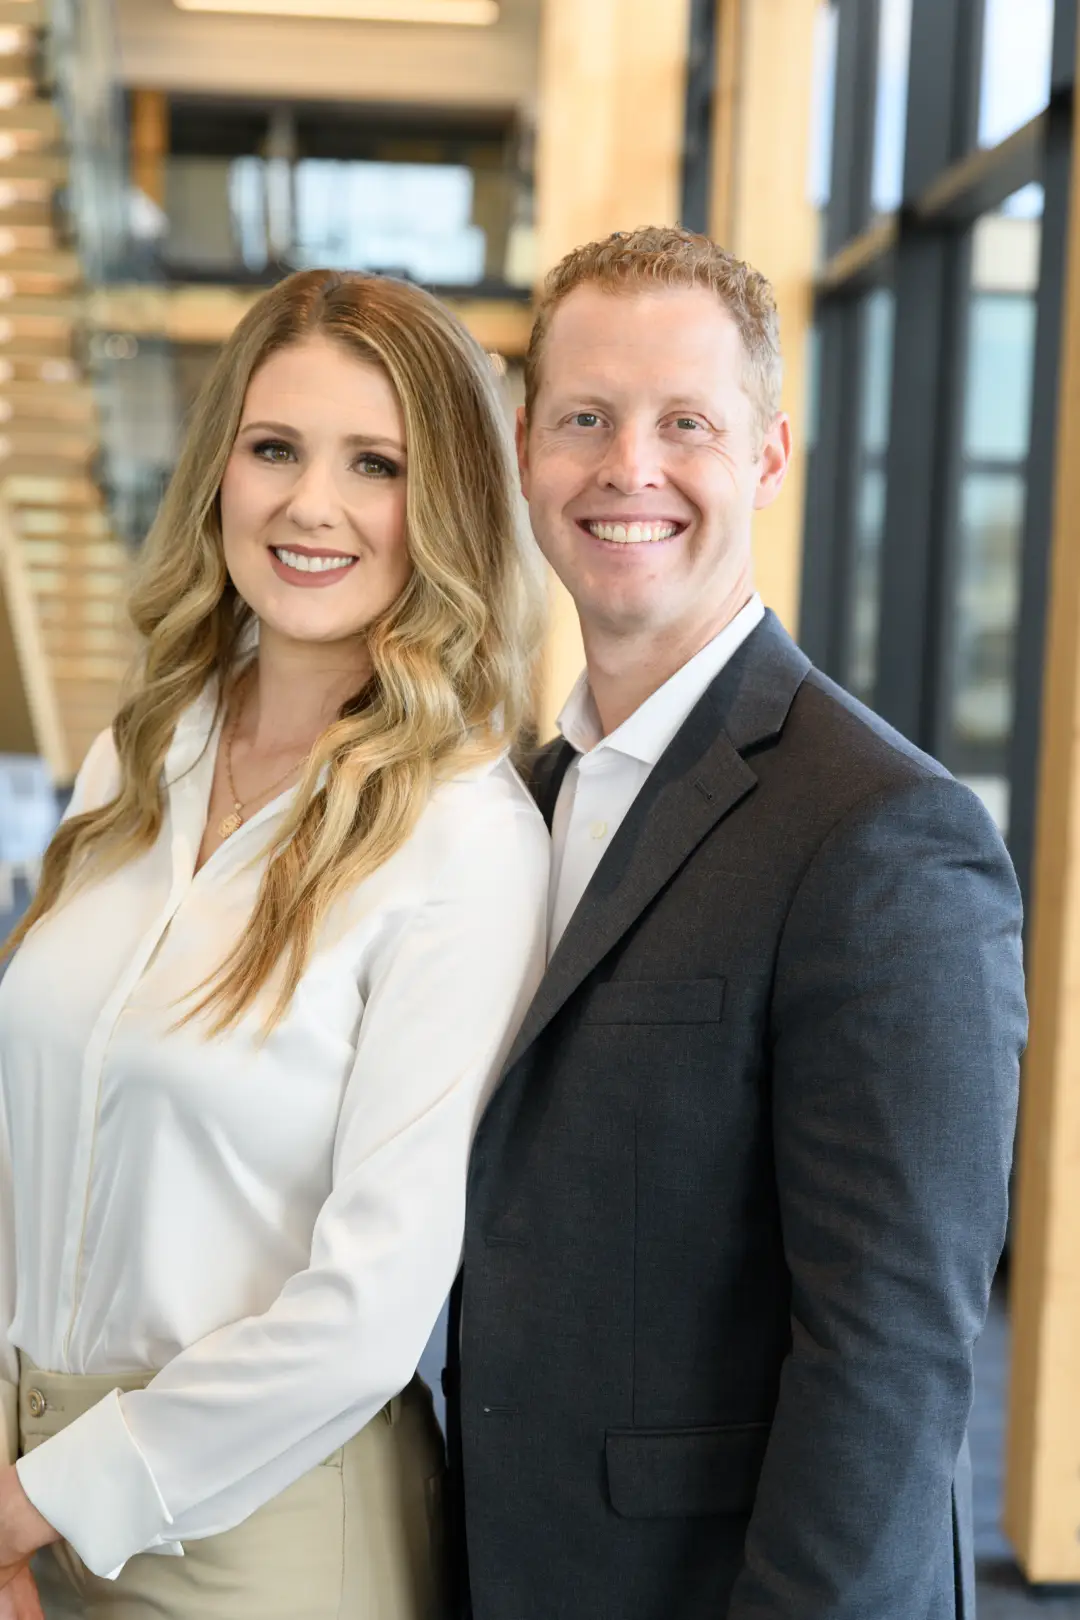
pixel 521 440
pixel 775 460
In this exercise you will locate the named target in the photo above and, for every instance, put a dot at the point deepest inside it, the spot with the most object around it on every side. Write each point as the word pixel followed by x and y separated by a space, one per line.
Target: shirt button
pixel 36 1403
pixel 599 829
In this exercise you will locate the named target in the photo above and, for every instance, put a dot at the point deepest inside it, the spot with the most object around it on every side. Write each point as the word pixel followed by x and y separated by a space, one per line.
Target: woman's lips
pixel 310 569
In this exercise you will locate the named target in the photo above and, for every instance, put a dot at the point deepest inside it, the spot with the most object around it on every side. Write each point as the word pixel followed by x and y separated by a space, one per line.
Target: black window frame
pixel 923 252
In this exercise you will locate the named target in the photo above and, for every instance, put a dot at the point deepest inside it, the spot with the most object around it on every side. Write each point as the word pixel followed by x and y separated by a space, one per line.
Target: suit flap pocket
pixel 684 1473
pixel 656 1001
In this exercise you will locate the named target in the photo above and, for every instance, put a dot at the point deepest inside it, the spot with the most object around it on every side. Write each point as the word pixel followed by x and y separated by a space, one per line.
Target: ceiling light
pixel 467 13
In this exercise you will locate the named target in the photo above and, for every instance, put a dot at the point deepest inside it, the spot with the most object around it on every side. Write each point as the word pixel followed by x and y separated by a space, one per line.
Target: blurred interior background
pixel 907 174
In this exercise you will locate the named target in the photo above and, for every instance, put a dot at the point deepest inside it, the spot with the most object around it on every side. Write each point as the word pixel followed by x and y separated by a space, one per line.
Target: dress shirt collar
pixel 194 733
pixel 645 734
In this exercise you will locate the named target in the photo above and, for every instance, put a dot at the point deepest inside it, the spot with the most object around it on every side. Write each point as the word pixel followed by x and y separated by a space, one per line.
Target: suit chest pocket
pixel 664 1048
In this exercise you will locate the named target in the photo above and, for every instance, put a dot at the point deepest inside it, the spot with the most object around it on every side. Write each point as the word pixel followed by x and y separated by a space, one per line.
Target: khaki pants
pixel 358 1538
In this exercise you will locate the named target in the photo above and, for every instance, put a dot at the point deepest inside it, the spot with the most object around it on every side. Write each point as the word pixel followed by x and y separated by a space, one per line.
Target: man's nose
pixel 632 460
pixel 314 502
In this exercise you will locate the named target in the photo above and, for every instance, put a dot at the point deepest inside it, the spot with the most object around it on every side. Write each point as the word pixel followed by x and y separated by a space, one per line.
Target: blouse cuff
pixel 9 1420
pixel 94 1486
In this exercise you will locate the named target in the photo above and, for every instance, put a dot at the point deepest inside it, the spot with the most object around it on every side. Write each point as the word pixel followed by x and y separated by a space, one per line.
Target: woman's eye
pixel 687 422
pixel 377 467
pixel 273 450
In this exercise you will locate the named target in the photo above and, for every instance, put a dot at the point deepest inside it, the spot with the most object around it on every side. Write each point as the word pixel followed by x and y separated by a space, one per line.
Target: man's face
pixel 644 459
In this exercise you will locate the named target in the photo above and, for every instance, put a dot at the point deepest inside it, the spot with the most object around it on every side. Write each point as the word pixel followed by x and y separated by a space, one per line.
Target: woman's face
pixel 313 495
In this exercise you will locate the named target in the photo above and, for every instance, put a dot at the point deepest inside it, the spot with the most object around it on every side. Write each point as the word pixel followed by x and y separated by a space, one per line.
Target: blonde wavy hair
pixel 453 657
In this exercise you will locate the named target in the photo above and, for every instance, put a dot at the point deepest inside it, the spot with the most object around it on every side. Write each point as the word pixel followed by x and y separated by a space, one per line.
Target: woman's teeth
pixel 632 534
pixel 311 565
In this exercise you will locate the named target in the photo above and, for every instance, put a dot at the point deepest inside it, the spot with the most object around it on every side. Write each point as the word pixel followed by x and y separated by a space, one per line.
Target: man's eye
pixel 585 419
pixel 687 422
pixel 272 450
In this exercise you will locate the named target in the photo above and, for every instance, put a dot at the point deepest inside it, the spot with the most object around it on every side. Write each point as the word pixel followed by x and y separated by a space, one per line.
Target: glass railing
pixel 81 57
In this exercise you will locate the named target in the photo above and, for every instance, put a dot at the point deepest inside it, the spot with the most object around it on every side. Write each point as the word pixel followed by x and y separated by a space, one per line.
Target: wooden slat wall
pixel 1042 1514
pixel 761 210
pixel 62 572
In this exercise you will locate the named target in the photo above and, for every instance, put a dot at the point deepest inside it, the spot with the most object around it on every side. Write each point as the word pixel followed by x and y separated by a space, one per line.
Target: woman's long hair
pixel 452 658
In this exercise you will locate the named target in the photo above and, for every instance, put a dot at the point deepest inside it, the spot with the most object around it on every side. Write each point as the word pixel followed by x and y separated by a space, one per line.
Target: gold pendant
pixel 233 820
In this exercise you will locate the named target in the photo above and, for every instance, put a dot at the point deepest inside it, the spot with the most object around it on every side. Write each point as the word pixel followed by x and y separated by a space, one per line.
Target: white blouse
pixel 270 1225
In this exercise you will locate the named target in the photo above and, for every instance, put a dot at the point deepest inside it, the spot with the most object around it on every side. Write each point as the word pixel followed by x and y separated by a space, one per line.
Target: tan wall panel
pixel 761 210
pixel 610 118
pixel 1042 1509
pixel 165 48
pixel 610 121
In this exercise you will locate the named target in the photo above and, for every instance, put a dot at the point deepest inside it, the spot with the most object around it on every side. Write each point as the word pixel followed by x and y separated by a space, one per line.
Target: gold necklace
pixel 235 817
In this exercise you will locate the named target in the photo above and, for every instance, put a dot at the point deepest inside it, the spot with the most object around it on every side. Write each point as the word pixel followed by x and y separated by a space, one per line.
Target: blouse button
pixel 36 1403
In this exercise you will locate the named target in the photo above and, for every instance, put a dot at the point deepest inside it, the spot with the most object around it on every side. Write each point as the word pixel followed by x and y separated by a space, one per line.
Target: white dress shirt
pixel 271 1225
pixel 602 783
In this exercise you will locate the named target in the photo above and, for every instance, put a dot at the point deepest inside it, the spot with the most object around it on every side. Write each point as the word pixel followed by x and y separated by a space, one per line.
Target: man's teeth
pixel 632 534
pixel 311 565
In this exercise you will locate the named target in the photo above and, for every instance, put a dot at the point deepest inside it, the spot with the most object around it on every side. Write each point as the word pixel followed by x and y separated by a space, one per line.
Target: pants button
pixel 36 1403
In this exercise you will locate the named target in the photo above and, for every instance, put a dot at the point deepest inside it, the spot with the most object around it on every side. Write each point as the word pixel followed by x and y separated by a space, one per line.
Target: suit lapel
pixel 699 780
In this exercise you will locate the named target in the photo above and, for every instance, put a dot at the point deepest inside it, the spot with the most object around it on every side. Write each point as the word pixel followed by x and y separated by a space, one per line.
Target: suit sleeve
pixel 897 1029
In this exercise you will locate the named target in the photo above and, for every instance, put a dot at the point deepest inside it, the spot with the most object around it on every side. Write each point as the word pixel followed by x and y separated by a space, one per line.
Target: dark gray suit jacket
pixel 735 1210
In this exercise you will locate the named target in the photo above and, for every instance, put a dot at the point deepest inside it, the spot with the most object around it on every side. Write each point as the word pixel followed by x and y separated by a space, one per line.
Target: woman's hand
pixel 22 1528
pixel 19 1598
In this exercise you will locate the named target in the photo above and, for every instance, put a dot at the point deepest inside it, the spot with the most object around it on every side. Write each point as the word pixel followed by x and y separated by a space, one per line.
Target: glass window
pixel 866 583
pixel 890 119
pixel 823 105
pixel 991 500
pixel 813 386
pixel 1027 203
pixel 1001 351
pixel 414 218
pixel 877 370
pixel 876 336
pixel 991 533
pixel 1017 48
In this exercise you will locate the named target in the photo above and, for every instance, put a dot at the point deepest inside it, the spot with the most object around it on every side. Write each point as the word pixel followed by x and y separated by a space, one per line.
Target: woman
pixel 278 951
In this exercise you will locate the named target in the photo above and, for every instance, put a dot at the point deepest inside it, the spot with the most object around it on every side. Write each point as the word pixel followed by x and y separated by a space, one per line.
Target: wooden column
pixel 761 210
pixel 610 117
pixel 1042 1510
pixel 149 142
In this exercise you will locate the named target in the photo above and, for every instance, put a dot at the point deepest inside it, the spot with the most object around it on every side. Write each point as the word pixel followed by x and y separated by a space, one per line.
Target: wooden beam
pixel 39 692
pixel 610 119
pixel 150 137
pixel 16 723
pixel 206 315
pixel 761 210
pixel 725 132
pixel 1042 1497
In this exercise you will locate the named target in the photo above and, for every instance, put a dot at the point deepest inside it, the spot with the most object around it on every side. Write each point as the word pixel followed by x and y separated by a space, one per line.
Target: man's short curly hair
pixel 667 256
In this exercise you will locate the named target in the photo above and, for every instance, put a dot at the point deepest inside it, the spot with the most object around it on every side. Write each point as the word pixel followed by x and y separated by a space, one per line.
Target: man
pixel 736 1208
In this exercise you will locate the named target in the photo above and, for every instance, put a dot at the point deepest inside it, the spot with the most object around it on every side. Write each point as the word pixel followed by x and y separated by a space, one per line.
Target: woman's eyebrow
pixel 363 440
